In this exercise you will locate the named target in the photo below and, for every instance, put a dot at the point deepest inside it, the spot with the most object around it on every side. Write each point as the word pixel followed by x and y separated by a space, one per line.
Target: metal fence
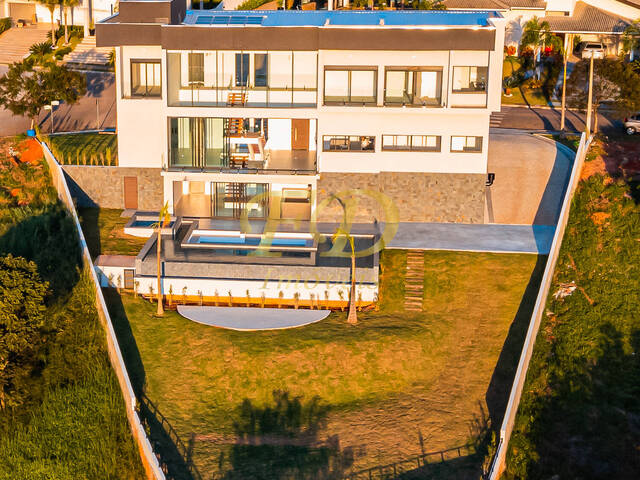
pixel 499 461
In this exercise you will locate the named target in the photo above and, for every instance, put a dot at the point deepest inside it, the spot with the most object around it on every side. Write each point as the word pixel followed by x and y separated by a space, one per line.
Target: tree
pixel 51 6
pixel 614 82
pixel 343 231
pixel 537 35
pixel 163 220
pixel 28 86
pixel 22 296
pixel 631 38
pixel 68 4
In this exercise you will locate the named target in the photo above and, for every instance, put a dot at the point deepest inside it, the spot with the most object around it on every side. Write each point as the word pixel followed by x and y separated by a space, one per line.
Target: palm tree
pixel 51 6
pixel 538 35
pixel 68 4
pixel 631 38
pixel 163 220
pixel 342 231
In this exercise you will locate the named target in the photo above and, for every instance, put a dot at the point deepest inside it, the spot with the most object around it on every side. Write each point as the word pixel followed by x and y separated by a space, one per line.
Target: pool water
pixel 146 223
pixel 253 241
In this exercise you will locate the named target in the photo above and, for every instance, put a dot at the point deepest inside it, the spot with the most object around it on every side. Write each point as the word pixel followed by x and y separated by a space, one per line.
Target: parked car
pixel 591 48
pixel 632 124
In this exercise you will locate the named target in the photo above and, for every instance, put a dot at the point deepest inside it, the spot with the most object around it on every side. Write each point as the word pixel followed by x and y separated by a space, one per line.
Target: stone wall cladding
pixel 419 197
pixel 104 186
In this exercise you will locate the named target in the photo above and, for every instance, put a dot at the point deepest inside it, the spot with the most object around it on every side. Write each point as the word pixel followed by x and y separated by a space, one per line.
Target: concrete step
pixel 15 42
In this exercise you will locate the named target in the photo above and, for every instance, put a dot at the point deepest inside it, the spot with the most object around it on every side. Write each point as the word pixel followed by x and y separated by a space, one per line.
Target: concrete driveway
pixel 531 178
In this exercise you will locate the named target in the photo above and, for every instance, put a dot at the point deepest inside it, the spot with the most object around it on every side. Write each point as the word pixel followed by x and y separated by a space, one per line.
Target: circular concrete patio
pixel 248 319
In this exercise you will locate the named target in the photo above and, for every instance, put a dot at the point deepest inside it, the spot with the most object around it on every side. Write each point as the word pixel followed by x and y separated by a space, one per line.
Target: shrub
pixel 5 24
pixel 61 52
pixel 40 49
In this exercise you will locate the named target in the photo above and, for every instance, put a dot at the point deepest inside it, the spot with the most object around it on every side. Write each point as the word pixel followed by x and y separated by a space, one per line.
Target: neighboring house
pixel 32 11
pixel 266 114
pixel 593 20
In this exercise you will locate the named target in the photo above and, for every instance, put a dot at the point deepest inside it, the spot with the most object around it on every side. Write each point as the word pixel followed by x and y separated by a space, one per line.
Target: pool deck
pixel 248 319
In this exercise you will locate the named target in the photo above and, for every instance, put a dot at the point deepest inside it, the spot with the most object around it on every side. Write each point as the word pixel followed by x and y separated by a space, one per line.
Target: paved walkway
pixel 249 319
pixel 474 237
pixel 15 42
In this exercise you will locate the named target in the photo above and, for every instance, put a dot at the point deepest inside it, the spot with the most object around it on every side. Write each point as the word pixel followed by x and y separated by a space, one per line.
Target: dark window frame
pixel 465 149
pixel 468 90
pixel 348 139
pixel 410 147
pixel 350 69
pixel 147 93
pixel 414 71
pixel 244 72
pixel 195 71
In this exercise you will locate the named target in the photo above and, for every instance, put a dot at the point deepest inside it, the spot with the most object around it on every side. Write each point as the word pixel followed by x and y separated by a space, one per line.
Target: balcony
pixel 243 145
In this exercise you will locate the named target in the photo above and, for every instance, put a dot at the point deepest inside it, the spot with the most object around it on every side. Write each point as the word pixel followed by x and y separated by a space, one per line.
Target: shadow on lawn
pixel 175 456
pixel 497 394
pixel 281 441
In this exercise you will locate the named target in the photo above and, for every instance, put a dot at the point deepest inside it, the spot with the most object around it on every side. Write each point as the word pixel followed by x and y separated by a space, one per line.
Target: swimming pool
pixel 250 241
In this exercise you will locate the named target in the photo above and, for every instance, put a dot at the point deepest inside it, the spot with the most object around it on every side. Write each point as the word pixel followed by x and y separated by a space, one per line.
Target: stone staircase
pixel 88 55
pixel 15 42
pixel 414 281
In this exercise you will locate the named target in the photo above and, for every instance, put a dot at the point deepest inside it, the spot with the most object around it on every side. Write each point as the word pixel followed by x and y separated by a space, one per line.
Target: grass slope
pixel 84 148
pixel 72 423
pixel 396 384
pixel 580 411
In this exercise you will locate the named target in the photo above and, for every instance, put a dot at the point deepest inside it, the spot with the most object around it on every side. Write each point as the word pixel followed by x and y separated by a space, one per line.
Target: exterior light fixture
pixel 185 187
pixel 207 188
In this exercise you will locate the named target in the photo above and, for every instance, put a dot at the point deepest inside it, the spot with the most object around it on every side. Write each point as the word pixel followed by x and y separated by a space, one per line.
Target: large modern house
pixel 265 117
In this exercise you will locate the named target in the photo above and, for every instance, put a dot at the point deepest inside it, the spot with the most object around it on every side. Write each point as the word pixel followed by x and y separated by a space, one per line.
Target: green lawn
pixel 104 231
pixel 578 417
pixel 527 93
pixel 84 148
pixel 331 397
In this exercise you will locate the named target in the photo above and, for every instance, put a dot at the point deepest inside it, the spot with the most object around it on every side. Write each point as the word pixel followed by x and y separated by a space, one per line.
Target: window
pixel 350 86
pixel 260 69
pixel 146 80
pixel 196 68
pixel 242 69
pixel 469 79
pixel 466 144
pixel 413 87
pixel 348 143
pixel 415 143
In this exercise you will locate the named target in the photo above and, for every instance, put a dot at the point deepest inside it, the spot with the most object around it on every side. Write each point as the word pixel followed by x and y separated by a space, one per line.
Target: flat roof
pixel 340 18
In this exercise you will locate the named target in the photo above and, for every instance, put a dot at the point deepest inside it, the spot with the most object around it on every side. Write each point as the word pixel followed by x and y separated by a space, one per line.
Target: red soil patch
pixel 31 151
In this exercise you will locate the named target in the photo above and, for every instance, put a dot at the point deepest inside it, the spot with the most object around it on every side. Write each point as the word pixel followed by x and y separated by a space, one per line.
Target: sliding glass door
pixel 197 142
pixel 233 200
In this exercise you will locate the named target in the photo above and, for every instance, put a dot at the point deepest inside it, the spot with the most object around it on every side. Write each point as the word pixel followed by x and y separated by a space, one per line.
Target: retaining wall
pixel 499 461
pixel 149 460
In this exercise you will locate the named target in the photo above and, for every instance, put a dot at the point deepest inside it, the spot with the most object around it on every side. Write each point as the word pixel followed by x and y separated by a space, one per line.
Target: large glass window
pixel 197 142
pixel 196 68
pixel 469 79
pixel 146 78
pixel 235 199
pixel 242 69
pixel 353 86
pixel 416 143
pixel 348 143
pixel 260 69
pixel 466 144
pixel 420 87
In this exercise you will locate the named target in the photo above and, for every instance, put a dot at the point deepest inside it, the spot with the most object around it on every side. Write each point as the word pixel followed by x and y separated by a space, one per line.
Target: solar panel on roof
pixel 203 20
pixel 237 20
pixel 221 20
pixel 254 20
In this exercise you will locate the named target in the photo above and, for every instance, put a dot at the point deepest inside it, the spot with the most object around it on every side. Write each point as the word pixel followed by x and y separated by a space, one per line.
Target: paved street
pixel 82 115
pixel 525 118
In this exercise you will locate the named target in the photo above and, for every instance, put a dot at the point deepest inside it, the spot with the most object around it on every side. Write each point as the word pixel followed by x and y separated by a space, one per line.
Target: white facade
pixel 466 85
pixel 79 15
